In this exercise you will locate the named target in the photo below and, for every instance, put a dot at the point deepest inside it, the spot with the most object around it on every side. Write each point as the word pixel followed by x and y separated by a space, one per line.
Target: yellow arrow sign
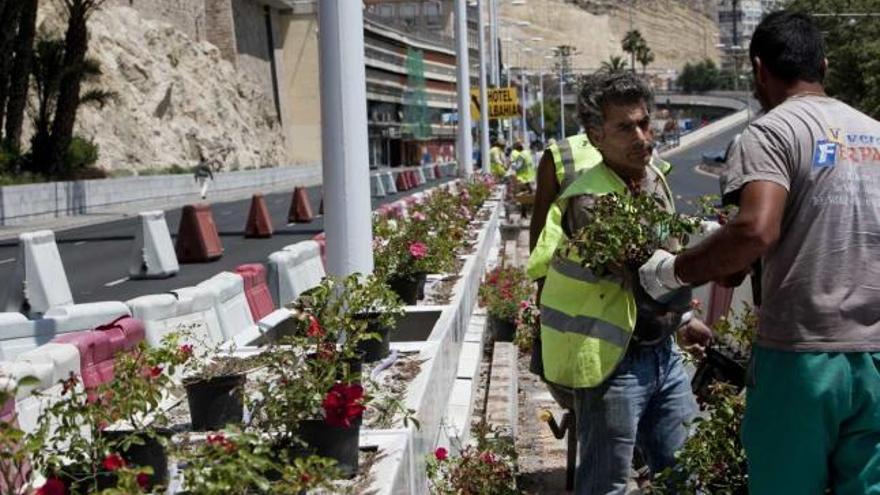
pixel 503 103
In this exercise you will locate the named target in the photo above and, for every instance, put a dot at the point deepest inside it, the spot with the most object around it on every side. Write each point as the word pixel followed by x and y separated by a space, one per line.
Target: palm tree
pixel 645 56
pixel 615 63
pixel 632 42
pixel 20 75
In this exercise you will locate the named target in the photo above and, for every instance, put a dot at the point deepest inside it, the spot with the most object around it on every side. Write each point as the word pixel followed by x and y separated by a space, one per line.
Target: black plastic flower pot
pixel 374 350
pixel 341 444
pixel 149 452
pixel 215 402
pixel 502 330
pixel 407 287
pixel 423 278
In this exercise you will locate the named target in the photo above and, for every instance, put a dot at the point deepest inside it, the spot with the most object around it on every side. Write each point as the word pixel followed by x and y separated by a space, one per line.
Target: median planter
pixel 215 402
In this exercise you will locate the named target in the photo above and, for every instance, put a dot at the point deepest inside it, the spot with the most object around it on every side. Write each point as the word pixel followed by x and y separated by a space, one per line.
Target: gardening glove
pixel 657 276
pixel 693 335
pixel 709 226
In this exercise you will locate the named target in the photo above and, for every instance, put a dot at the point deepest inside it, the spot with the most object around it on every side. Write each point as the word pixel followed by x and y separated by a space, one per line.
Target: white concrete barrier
pixel 152 255
pixel 86 316
pixel 197 303
pixel 294 270
pixel 377 189
pixel 230 303
pixel 420 175
pixel 39 281
pixel 429 172
pixel 166 313
pixel 388 182
pixel 49 364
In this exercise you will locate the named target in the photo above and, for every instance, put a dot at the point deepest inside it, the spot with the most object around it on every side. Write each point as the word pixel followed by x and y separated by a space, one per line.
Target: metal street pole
pixel 562 101
pixel 510 119
pixel 541 96
pixel 525 128
pixel 465 155
pixel 344 150
pixel 493 36
pixel 484 100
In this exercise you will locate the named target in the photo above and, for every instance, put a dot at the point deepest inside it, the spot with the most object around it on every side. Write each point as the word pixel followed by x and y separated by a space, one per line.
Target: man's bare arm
pixel 545 195
pixel 733 248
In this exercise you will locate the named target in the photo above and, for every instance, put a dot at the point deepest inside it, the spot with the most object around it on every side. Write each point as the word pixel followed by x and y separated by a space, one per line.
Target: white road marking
pixel 116 282
pixel 7 260
pixel 80 243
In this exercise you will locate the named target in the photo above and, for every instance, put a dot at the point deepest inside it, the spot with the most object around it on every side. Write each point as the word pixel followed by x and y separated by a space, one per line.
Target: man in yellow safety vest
pixel 601 334
pixel 497 160
pixel 522 164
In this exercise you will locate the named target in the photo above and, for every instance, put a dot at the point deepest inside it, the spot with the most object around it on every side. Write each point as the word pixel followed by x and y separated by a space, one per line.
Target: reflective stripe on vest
pixel 587 320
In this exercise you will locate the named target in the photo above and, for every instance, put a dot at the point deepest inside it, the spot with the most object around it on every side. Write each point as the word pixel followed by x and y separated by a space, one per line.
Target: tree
pixel 852 46
pixel 700 77
pixel 20 76
pixel 632 42
pixel 76 44
pixel 9 10
pixel 645 56
pixel 551 118
pixel 615 63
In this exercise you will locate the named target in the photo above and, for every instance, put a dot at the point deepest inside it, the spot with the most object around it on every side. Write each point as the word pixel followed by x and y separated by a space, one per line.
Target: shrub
pixel 502 291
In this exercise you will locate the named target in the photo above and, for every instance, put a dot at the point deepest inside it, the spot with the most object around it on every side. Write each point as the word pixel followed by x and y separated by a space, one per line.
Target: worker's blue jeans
pixel 646 402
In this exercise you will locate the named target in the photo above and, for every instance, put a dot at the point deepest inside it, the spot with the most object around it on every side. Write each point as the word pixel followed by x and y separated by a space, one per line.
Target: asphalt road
pixel 96 257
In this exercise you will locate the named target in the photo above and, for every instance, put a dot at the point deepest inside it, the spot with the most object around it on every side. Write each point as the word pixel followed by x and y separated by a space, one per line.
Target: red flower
pixel 524 305
pixel 326 351
pixel 219 440
pixel 186 351
pixel 143 479
pixel 343 404
pixel 418 250
pixel 441 454
pixel 315 329
pixel 53 486
pixel 305 479
pixel 487 457
pixel 155 371
pixel 113 462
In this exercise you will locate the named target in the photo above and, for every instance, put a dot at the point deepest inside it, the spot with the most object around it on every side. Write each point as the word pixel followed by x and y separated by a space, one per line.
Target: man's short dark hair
pixel 603 88
pixel 790 46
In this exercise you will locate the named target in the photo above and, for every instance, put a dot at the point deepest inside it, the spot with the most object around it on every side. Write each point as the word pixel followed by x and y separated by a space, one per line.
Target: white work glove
pixel 709 226
pixel 657 275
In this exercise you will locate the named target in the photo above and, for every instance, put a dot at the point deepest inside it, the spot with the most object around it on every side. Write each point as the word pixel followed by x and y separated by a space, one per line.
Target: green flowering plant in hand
pixel 625 231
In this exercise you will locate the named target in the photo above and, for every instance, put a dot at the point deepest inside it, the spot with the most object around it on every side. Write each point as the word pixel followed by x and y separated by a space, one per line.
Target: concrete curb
pixel 710 131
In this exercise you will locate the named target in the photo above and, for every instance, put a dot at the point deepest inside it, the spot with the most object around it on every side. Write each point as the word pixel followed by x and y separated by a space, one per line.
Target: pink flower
pixel 113 462
pixel 441 454
pixel 418 250
pixel 418 216
pixel 487 457
pixel 523 305
pixel 186 351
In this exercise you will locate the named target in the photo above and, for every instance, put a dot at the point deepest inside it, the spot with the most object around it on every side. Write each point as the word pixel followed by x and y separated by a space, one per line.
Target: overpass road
pixel 96 256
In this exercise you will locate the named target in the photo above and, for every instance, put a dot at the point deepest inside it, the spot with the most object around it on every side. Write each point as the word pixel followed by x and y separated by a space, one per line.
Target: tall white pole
pixel 562 102
pixel 493 37
pixel 344 150
pixel 541 82
pixel 510 119
pixel 465 147
pixel 525 128
pixel 484 100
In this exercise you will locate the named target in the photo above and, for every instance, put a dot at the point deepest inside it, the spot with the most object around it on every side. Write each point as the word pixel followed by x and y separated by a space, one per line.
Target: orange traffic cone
pixel 300 207
pixel 197 238
pixel 259 224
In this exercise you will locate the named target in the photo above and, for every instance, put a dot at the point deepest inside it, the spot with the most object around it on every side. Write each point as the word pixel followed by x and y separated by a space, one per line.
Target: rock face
pixel 174 99
pixel 678 31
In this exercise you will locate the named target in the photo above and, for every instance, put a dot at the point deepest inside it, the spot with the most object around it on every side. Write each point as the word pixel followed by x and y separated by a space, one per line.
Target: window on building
pixel 386 10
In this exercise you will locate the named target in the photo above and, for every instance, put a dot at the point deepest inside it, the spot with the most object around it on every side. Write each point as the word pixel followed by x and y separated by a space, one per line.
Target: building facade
pixel 737 20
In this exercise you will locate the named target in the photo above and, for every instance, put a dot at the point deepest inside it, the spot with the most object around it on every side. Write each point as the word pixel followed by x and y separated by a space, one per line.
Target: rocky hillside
pixel 678 31
pixel 174 97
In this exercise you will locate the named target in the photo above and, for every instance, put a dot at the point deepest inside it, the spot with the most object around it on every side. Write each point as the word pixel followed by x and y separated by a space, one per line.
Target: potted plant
pixel 487 467
pixel 240 463
pixel 403 257
pixel 113 434
pixel 502 291
pixel 528 326
pixel 375 309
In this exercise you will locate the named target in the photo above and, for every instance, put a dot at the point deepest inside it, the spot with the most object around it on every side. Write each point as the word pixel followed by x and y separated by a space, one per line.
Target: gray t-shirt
pixel 821 282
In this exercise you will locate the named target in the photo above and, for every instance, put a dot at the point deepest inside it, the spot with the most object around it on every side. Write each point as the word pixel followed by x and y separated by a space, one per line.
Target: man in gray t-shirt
pixel 807 179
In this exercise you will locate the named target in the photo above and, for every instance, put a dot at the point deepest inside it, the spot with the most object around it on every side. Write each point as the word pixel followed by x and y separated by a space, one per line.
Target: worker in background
pixel 497 160
pixel 603 336
pixel 522 164
pixel 806 177
pixel 202 173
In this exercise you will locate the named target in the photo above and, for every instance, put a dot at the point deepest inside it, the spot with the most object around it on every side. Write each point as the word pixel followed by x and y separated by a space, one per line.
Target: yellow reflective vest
pixel 522 162
pixel 572 156
pixel 587 321
pixel 496 162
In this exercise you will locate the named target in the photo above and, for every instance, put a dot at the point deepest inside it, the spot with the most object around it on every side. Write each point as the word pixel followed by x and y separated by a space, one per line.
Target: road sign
pixel 503 103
